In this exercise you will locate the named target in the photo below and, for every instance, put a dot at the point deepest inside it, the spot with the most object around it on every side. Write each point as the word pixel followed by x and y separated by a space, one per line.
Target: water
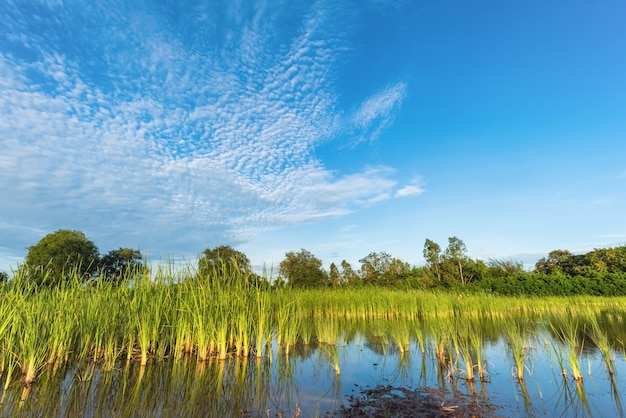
pixel 323 380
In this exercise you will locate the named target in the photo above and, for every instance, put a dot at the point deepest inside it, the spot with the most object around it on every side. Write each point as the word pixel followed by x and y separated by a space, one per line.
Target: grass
pixel 177 315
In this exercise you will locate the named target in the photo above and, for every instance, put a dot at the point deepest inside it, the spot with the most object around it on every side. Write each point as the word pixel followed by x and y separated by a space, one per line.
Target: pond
pixel 358 368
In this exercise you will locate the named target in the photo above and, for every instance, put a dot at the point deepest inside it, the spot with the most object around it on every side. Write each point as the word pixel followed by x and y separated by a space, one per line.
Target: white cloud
pixel 414 188
pixel 378 111
pixel 147 132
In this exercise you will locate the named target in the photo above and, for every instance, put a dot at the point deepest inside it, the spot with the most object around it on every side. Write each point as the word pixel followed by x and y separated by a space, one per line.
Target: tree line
pixel 68 254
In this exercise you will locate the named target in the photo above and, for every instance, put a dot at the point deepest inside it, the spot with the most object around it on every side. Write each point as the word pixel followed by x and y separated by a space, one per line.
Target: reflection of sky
pixel 321 390
pixel 306 379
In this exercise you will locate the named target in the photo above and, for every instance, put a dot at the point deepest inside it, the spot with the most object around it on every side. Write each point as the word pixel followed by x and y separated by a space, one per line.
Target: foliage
pixel 455 259
pixel 302 270
pixel 555 262
pixel 348 275
pixel 120 264
pixel 334 278
pixel 381 269
pixel 432 255
pixel 504 267
pixel 223 261
pixel 453 266
pixel 4 276
pixel 59 256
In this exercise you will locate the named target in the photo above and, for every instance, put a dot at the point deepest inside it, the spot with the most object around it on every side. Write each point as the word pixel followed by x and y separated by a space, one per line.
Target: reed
pixel 597 333
pixel 568 329
pixel 286 327
pixel 517 334
pixel 400 333
pixel 176 314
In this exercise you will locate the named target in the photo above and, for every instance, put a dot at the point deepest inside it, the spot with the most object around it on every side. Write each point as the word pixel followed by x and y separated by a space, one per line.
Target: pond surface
pixel 364 369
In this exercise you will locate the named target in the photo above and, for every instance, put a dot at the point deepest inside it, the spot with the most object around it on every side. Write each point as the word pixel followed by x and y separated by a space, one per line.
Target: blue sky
pixel 341 127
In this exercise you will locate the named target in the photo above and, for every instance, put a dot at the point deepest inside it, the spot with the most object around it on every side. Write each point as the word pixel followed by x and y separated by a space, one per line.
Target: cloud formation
pixel 178 127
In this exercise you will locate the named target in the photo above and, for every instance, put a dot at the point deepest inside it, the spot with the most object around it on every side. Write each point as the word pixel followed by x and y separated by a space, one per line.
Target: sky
pixel 342 127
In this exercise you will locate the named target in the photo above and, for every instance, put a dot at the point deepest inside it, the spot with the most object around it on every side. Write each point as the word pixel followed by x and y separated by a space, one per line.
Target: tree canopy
pixel 120 264
pixel 302 269
pixel 61 255
pixel 381 269
pixel 223 262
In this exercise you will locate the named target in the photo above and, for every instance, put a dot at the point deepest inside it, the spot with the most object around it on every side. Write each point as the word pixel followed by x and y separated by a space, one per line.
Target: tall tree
pixel 455 257
pixel 432 255
pixel 374 266
pixel 59 255
pixel 223 262
pixel 556 262
pixel 121 264
pixel 348 275
pixel 382 269
pixel 334 278
pixel 502 267
pixel 302 269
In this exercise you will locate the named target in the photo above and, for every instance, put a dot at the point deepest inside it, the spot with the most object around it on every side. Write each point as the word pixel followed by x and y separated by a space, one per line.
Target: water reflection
pixel 338 360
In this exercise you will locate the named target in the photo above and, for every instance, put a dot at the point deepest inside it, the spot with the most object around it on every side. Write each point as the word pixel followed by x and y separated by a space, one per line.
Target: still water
pixel 322 379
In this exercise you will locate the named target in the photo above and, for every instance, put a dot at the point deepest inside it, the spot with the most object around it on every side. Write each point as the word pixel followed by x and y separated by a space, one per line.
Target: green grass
pixel 177 315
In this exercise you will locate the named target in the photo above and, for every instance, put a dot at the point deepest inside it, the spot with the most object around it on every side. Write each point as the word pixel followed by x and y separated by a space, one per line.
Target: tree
pixel 302 269
pixel 555 262
pixel 348 275
pixel 4 276
pixel 120 264
pixel 334 278
pixel 60 255
pixel 432 255
pixel 455 258
pixel 382 269
pixel 502 267
pixel 223 262
pixel 374 266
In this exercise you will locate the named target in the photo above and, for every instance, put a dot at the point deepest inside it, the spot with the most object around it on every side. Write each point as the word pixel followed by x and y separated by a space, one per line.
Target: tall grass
pixel 170 314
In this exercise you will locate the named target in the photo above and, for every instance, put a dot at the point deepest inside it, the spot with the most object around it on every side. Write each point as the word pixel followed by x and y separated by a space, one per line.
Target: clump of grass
pixel 599 336
pixel 567 328
pixel 517 336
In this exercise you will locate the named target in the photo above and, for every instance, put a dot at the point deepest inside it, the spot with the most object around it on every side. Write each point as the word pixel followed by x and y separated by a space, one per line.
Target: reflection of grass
pixel 229 317
pixel 516 334
pixel 400 333
pixel 599 336
pixel 567 329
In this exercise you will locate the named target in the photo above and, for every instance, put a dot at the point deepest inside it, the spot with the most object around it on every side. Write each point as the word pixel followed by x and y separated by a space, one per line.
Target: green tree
pixel 555 263
pixel 121 264
pixel 302 269
pixel 348 275
pixel 374 266
pixel 334 278
pixel 502 267
pixel 432 255
pixel 59 255
pixel 223 262
pixel 455 259
pixel 382 269
pixel 4 276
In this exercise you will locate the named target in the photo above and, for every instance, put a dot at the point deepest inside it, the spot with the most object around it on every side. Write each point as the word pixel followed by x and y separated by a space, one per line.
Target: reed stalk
pixel 598 334
pixel 516 334
pixel 567 328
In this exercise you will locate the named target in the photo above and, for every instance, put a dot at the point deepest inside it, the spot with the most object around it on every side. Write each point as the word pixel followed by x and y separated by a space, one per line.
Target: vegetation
pixel 181 317
pixel 453 307
pixel 302 269
pixel 59 256
pixel 601 272
pixel 120 263
pixel 222 262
